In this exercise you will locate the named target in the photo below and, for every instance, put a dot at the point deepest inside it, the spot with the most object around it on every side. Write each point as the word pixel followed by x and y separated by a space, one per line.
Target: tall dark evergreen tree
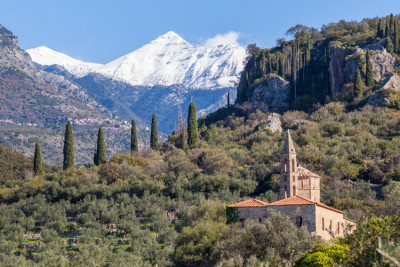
pixel 391 25
pixel 281 69
pixel 369 74
pixel 308 50
pixel 192 125
pixel 229 99
pixel 68 151
pixel 358 84
pixel 379 29
pixel 37 161
pixel 153 133
pixel 293 73
pixel 101 156
pixel 134 139
pixel 269 63
pixel 262 67
pixel 389 45
pixel 396 37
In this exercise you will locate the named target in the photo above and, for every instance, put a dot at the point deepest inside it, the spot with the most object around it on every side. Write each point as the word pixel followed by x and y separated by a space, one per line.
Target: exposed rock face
pixel 380 98
pixel 336 65
pixel 35 105
pixel 383 63
pixel 272 95
pixel 343 64
pixel 391 82
pixel 274 123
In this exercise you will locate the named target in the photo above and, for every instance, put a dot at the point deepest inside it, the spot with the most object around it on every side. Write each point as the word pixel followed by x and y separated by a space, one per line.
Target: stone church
pixel 299 198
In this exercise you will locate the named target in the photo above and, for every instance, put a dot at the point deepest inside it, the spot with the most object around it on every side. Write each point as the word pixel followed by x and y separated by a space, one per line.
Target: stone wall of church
pixel 251 213
pixel 328 221
pixel 295 212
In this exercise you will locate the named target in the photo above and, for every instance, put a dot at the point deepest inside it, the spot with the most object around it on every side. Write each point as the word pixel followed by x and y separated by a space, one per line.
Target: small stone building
pixel 299 198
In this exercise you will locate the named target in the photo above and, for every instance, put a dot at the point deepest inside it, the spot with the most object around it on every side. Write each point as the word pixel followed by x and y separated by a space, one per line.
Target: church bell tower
pixel 289 172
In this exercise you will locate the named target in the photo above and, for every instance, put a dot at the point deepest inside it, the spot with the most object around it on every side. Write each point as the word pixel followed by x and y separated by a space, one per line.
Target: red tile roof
pixel 251 202
pixel 297 200
pixel 304 173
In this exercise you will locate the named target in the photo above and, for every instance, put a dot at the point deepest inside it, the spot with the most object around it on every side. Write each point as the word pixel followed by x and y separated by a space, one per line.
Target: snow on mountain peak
pixel 45 56
pixel 167 60
pixel 170 38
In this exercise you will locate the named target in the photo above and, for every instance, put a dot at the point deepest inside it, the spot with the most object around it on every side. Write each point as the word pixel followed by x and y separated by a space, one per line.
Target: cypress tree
pixel 300 66
pixel 134 140
pixel 396 37
pixel 379 29
pixel 269 63
pixel 358 84
pixel 229 98
pixel 387 30
pixel 262 62
pixel 293 73
pixel 369 74
pixel 308 50
pixel 281 69
pixel 389 45
pixel 68 151
pixel 153 133
pixel 37 161
pixel 192 125
pixel 391 25
pixel 101 156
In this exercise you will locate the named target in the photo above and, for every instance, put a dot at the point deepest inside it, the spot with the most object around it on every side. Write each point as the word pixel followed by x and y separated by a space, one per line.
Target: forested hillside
pixel 167 206
pixel 321 66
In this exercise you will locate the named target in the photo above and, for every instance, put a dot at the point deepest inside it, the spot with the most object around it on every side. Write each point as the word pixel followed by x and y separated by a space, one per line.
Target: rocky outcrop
pixel 271 95
pixel 336 66
pixel 381 98
pixel 391 82
pixel 344 62
pixel 274 123
pixel 383 63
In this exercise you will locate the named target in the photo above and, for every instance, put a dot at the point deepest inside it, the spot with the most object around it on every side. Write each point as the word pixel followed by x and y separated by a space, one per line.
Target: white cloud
pixel 225 38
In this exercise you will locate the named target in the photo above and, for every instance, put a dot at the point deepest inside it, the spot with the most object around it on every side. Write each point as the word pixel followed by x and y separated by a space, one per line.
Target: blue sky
pixel 102 30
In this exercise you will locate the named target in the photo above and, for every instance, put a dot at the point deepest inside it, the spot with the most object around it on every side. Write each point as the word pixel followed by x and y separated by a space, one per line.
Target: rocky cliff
pixel 320 66
pixel 271 95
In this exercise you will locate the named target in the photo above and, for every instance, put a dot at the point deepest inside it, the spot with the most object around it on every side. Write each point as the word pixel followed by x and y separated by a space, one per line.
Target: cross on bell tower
pixel 289 173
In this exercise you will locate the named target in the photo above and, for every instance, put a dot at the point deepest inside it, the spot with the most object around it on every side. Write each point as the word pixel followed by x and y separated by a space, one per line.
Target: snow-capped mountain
pixel 167 60
pixel 47 57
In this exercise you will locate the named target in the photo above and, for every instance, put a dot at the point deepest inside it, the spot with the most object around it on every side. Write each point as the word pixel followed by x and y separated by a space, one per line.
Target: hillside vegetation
pixel 166 206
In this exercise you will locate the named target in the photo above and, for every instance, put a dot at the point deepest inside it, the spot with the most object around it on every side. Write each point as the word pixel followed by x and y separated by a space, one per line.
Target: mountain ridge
pixel 166 60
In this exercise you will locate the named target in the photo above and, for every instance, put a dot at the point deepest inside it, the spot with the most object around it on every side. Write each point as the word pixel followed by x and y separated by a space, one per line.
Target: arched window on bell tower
pixel 293 165
pixel 285 165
